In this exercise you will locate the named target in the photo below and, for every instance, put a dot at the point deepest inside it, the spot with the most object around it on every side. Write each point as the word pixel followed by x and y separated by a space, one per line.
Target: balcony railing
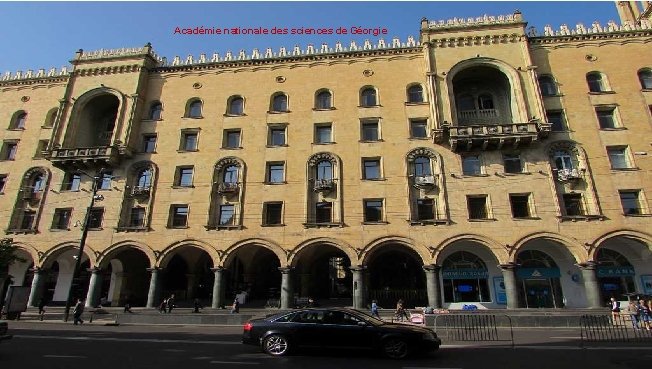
pixel 565 175
pixel 140 191
pixel 82 157
pixel 324 185
pixel 424 181
pixel 28 193
pixel 227 187
pixel 477 116
pixel 495 136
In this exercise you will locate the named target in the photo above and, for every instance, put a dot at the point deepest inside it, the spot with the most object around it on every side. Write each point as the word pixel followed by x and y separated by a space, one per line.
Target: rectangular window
pixel 149 143
pixel 184 177
pixel 178 216
pixel 607 117
pixel 95 218
pixel 618 157
pixel 189 141
pixel 371 168
pixel 231 139
pixel 28 221
pixel 323 133
pixel 370 131
pixel 105 181
pixel 275 173
pixel 520 205
pixel 573 205
pixel 61 218
pixel 137 217
pixel 631 202
pixel 324 212
pixel 273 213
pixel 276 136
pixel 556 117
pixel 418 128
pixel 40 148
pixel 425 209
pixel 471 165
pixel 9 149
pixel 477 207
pixel 3 183
pixel 71 182
pixel 512 163
pixel 373 210
pixel 227 215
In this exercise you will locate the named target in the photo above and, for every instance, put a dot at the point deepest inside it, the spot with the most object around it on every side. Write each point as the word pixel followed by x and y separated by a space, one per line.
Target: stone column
pixel 359 290
pixel 432 285
pixel 94 288
pixel 218 288
pixel 509 277
pixel 591 285
pixel 36 292
pixel 153 293
pixel 286 287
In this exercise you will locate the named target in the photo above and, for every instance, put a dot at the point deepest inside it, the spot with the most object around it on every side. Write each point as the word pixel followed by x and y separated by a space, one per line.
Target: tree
pixel 8 256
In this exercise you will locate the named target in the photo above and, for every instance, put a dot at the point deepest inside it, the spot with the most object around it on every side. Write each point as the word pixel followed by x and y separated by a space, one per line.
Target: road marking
pixel 65 356
pixel 563 338
pixel 152 340
pixel 234 362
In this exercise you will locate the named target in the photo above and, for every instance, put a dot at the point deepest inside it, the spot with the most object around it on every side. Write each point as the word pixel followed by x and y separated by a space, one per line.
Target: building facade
pixel 484 163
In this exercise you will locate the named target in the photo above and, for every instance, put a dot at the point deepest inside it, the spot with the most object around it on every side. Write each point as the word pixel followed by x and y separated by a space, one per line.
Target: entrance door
pixel 538 293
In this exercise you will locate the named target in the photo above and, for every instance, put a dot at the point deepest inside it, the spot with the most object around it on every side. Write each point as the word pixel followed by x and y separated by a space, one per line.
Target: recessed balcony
pixel 496 136
pixel 88 157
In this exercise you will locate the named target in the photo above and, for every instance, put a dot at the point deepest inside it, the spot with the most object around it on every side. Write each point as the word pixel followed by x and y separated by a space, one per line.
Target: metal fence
pixel 618 328
pixel 476 327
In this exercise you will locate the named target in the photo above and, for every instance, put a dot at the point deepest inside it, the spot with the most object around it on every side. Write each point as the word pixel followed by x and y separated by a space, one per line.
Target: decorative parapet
pixel 486 20
pixel 594 29
pixel 117 53
pixel 40 74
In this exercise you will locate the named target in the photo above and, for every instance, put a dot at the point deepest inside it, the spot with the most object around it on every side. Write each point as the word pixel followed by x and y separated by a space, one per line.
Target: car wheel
pixel 276 345
pixel 395 348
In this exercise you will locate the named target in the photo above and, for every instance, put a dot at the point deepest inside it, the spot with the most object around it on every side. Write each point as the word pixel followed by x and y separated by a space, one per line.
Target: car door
pixel 307 328
pixel 343 330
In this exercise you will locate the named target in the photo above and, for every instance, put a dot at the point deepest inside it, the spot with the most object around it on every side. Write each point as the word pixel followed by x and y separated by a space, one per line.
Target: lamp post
pixel 82 241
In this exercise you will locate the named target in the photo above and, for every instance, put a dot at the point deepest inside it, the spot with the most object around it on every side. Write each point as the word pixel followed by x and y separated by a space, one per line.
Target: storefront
pixel 465 278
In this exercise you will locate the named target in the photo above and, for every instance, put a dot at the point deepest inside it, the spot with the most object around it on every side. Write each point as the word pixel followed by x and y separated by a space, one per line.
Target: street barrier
pixel 608 328
pixel 475 327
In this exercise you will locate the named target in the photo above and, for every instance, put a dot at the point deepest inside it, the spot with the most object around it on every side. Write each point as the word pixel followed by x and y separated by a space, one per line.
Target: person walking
pixel 170 303
pixel 633 313
pixel 235 308
pixel 41 308
pixel 615 311
pixel 162 308
pixel 77 312
pixel 127 307
pixel 644 314
pixel 197 306
pixel 401 314
pixel 374 309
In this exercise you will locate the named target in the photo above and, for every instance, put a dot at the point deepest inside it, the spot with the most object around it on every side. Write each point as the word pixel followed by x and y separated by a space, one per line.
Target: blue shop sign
pixel 464 273
pixel 616 271
pixel 525 273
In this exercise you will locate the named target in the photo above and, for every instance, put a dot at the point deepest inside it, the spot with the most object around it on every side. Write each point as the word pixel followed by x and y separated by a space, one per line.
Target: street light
pixel 82 241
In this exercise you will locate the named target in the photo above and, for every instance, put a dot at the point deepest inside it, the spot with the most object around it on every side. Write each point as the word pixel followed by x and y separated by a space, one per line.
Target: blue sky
pixel 45 34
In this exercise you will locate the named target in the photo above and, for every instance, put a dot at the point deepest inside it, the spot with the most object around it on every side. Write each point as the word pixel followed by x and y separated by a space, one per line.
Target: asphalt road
pixel 38 345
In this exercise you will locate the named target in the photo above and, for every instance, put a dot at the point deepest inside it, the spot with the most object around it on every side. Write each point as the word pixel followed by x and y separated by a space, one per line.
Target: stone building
pixel 484 163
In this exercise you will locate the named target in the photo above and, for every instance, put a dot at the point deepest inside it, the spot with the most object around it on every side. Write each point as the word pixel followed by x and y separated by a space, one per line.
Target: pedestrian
pixel 197 305
pixel 170 303
pixel 615 311
pixel 127 308
pixel 41 308
pixel 235 308
pixel 633 313
pixel 162 308
pixel 77 312
pixel 374 309
pixel 400 312
pixel 644 314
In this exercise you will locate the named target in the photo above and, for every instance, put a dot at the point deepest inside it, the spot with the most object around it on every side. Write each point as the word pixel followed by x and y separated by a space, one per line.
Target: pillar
pixel 509 277
pixel 94 288
pixel 286 287
pixel 153 293
pixel 36 292
pixel 432 285
pixel 218 288
pixel 359 289
pixel 591 285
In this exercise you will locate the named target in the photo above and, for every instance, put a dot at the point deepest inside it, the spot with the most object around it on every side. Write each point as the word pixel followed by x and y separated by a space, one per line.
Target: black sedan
pixel 337 328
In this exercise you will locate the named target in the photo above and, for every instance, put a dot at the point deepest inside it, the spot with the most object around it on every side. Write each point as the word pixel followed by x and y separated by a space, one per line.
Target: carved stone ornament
pixel 227 162
pixel 421 151
pixel 319 157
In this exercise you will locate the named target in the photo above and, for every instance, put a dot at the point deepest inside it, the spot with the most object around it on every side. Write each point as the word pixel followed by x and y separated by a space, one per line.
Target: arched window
pixel 38 183
pixel 485 102
pixel 368 97
pixel 145 178
pixel 280 103
pixel 563 160
pixel 231 174
pixel 422 167
pixel 51 117
pixel 155 111
pixel 596 82
pixel 236 106
pixel 415 94
pixel 19 120
pixel 535 259
pixel 324 170
pixel 645 77
pixel 194 109
pixel 547 86
pixel 324 100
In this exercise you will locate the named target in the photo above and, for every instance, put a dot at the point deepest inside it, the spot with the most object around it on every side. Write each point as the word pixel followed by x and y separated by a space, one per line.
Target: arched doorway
pixel 615 275
pixel 466 278
pixel 125 278
pixel 252 273
pixel 396 272
pixel 538 280
pixel 187 274
pixel 322 271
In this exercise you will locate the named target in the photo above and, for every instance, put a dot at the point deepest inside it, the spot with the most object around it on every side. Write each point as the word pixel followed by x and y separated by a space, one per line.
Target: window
pixel 573 205
pixel 370 131
pixel 557 119
pixel 324 170
pixel 28 221
pixel 563 160
pixel 324 100
pixel 323 212
pixel 520 205
pixel 595 82
pixel 61 218
pixel 631 202
pixel 236 106
pixel 418 128
pixel 184 177
pixel 373 210
pixel 275 173
pixel 3 183
pixel 618 157
pixel 422 167
pixel 40 147
pixel 485 102
pixel 19 120
pixel 645 77
pixel 71 182
pixel 50 118
pixel 179 216
pixel 415 94
pixel 105 180
pixel 471 165
pixel 137 217
pixel 188 141
pixel 477 207
pixel 512 163
pixel 144 179
pixel 9 149
pixel 371 169
pixel 194 109
pixel 155 111
pixel 273 212
pixel 323 133
pixel 368 97
pixel 276 136
pixel 95 218
pixel 280 103
pixel 425 209
pixel 231 139
pixel 227 215
pixel 606 118
pixel 231 174
pixel 548 86
pixel 149 143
